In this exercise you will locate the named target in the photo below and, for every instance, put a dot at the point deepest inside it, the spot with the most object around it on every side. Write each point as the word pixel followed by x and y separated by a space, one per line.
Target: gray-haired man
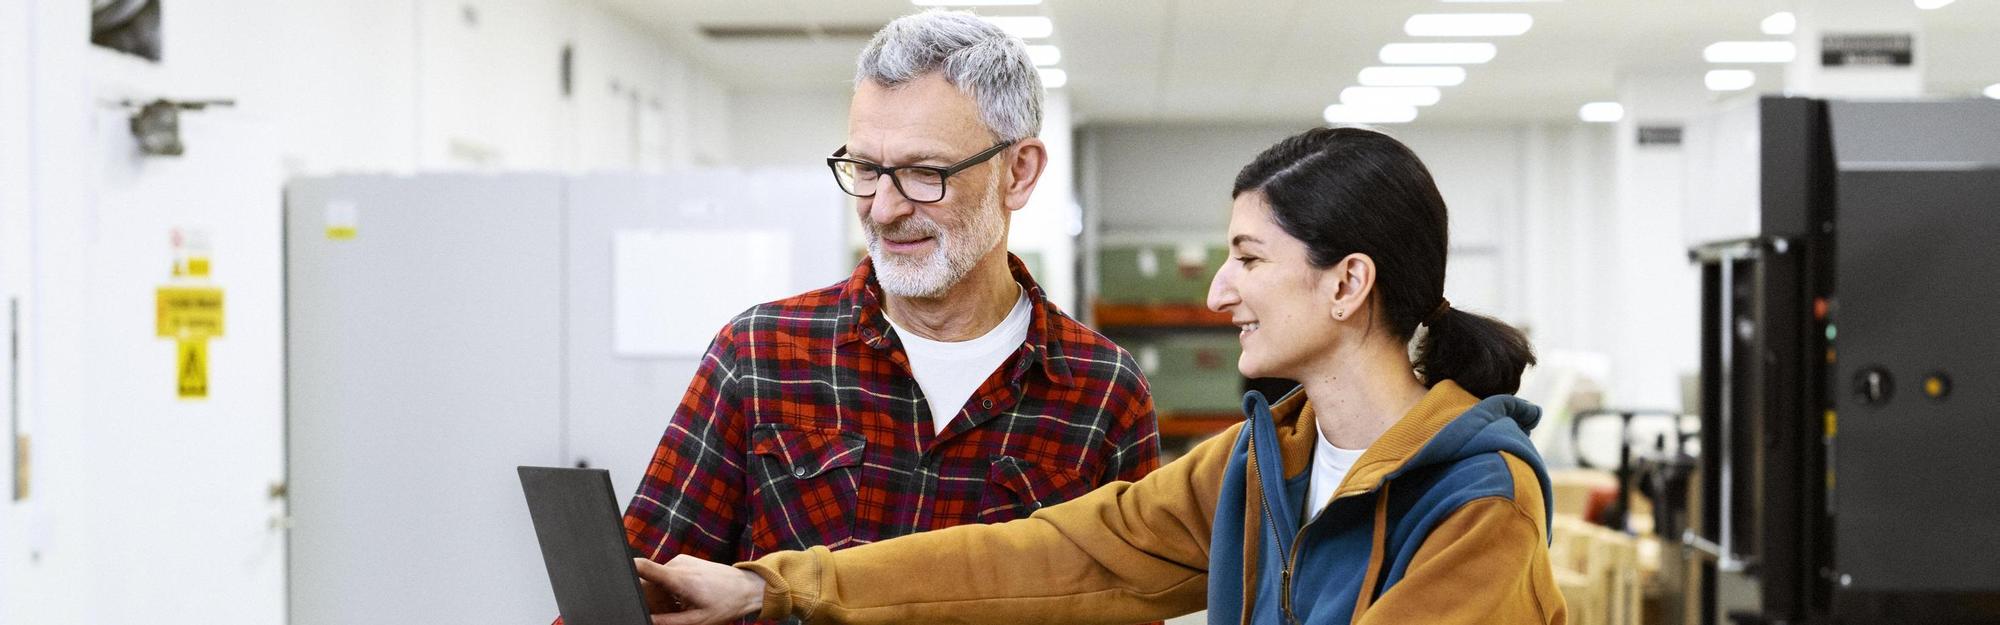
pixel 936 386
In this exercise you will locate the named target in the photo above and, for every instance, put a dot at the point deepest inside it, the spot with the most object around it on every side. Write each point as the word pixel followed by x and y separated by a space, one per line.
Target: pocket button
pixel 799 472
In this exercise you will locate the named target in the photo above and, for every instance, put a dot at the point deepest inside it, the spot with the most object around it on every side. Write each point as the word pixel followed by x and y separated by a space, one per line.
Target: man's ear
pixel 1024 171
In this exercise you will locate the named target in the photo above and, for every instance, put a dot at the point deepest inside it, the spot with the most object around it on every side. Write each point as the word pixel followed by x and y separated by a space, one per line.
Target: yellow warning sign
pixel 21 480
pixel 192 369
pixel 189 312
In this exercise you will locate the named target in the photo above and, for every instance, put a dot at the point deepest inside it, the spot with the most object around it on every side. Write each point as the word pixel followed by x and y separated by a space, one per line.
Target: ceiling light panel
pixel 1729 79
pixel 1601 112
pixel 974 3
pixel 1053 78
pixel 1750 52
pixel 1385 114
pixel 1045 54
pixel 1412 76
pixel 1437 53
pixel 1780 23
pixel 1408 96
pixel 1025 27
pixel 1468 24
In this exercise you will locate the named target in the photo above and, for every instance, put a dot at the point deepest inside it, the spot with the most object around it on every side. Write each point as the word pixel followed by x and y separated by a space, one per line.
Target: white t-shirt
pixel 1330 465
pixel 949 373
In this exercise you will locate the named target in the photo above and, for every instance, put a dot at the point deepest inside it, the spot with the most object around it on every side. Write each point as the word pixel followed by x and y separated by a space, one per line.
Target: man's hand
pixel 691 591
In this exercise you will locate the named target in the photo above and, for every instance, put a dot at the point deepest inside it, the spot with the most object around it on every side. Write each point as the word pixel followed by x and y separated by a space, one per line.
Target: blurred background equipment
pixel 1848 363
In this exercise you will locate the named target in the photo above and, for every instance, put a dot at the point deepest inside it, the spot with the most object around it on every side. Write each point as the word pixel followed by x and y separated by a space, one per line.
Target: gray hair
pixel 975 56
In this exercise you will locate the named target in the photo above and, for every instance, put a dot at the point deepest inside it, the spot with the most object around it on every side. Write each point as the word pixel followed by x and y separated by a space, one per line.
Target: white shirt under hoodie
pixel 1330 465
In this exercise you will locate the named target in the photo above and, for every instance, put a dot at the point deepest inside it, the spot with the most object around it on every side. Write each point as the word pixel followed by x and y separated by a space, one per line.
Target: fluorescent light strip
pixel 1412 76
pixel 1373 96
pixel 1729 79
pixel 1437 53
pixel 974 3
pixel 1601 112
pixel 1780 23
pixel 1025 27
pixel 1932 4
pixel 1750 52
pixel 1045 54
pixel 1053 78
pixel 1993 91
pixel 1468 24
pixel 1350 114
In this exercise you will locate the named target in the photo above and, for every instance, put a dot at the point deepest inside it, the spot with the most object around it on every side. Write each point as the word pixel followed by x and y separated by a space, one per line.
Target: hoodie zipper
pixel 1290 555
pixel 1264 503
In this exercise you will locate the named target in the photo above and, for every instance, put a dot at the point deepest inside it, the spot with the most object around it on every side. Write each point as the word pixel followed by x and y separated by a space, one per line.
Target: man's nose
pixel 889 205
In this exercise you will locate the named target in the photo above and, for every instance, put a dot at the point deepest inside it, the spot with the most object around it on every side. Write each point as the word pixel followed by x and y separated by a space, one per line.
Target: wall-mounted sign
pixel 1662 136
pixel 189 311
pixel 1865 50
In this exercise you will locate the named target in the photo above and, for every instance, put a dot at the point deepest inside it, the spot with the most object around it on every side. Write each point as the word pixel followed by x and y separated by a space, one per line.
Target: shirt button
pixel 986 404
pixel 1035 506
pixel 799 472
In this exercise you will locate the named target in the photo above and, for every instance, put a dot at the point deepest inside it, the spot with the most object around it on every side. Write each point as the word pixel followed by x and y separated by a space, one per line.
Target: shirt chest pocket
pixel 805 487
pixel 1016 488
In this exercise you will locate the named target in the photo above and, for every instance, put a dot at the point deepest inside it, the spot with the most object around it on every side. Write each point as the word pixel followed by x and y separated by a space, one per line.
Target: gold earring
pixel 1340 313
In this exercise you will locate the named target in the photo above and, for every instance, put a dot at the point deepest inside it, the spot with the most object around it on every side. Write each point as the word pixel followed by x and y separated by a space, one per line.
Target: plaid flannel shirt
pixel 804 426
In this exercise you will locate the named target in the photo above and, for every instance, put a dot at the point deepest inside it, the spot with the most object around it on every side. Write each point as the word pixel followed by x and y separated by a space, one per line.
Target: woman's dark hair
pixel 1351 190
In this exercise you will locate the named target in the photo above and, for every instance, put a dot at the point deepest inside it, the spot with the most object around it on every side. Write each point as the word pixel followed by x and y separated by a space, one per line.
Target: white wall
pixel 489 92
pixel 787 128
pixel 1539 237
pixel 14 273
pixel 1172 183
pixel 1656 295
pixel 129 483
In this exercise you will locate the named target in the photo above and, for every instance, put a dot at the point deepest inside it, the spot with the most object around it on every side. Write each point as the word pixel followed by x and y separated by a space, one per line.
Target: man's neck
pixel 966 311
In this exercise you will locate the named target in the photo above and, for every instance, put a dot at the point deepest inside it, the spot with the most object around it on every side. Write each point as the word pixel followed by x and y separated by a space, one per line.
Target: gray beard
pixel 949 262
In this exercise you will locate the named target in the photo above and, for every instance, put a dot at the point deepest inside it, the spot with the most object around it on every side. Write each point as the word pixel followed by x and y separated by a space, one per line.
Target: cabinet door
pixel 424 326
pixel 1916 484
pixel 153 448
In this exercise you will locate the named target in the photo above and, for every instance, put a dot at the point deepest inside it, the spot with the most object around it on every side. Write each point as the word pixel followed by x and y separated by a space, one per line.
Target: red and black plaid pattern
pixel 804 426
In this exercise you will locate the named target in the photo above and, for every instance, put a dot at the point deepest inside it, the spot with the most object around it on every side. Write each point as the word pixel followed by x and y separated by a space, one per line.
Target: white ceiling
pixel 1258 61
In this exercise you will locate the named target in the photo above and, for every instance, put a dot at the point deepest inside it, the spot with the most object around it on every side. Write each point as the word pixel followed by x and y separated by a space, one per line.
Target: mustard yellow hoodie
pixel 1442 520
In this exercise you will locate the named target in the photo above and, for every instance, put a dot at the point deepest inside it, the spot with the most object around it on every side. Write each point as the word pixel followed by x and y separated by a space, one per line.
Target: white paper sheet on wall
pixel 672 289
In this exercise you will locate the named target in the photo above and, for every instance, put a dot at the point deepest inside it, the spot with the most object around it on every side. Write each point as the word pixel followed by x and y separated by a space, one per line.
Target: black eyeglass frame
pixel 943 173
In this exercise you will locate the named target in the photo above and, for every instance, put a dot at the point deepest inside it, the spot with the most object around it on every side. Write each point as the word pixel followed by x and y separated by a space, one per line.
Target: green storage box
pixel 1192 373
pixel 1157 274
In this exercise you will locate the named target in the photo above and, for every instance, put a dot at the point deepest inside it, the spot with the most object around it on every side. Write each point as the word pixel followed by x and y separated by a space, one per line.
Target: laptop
pixel 583 545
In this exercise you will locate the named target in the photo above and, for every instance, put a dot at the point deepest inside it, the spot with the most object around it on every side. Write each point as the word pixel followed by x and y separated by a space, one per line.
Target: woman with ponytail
pixel 1386 489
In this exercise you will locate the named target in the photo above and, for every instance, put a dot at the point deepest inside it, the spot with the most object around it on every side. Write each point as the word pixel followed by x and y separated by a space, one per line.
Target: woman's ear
pixel 1353 278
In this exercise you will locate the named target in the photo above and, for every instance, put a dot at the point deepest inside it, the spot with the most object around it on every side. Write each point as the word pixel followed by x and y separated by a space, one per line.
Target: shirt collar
pixel 862 318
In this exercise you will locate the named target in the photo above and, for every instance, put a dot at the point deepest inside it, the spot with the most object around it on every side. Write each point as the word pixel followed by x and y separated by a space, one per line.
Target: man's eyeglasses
pixel 919 183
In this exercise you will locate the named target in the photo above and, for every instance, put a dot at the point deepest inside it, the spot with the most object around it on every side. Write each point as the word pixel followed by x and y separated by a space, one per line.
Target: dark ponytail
pixel 1480 353
pixel 1351 190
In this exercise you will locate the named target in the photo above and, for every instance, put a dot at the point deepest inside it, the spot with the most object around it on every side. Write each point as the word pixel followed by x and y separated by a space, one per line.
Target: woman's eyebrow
pixel 1240 239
